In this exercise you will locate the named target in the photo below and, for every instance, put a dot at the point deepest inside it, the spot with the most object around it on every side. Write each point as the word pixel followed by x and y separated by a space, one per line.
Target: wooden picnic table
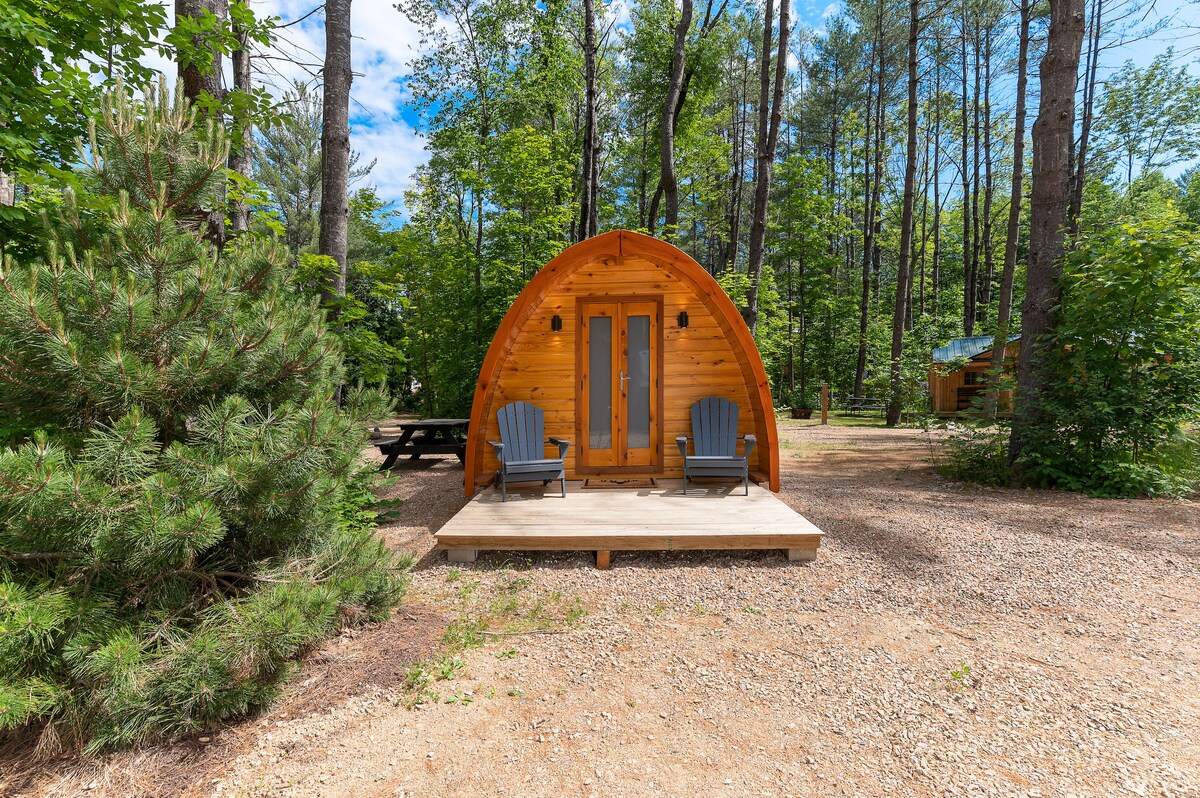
pixel 427 436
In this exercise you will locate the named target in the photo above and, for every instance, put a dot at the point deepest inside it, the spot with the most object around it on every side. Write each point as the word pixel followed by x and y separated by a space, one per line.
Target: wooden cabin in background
pixel 614 340
pixel 958 374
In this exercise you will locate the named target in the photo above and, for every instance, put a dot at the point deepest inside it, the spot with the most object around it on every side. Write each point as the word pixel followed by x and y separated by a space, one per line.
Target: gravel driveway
pixel 948 640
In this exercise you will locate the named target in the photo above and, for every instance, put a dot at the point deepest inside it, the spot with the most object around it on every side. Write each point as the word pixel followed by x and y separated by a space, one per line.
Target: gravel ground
pixel 948 640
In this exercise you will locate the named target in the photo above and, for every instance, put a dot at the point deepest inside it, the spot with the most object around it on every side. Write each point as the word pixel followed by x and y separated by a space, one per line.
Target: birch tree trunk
pixel 1053 140
pixel 241 154
pixel 904 267
pixel 335 145
pixel 8 189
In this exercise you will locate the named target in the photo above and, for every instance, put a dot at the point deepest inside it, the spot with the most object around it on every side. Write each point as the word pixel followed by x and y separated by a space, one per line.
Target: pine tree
pixel 179 509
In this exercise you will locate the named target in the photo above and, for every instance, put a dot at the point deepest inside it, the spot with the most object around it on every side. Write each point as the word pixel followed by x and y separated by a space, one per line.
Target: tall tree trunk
pixel 975 162
pixel 937 170
pixel 644 176
pixel 968 281
pixel 1053 140
pixel 1079 161
pixel 335 144
pixel 196 81
pixel 904 267
pixel 241 153
pixel 920 277
pixel 738 184
pixel 588 198
pixel 989 188
pixel 878 170
pixel 670 185
pixel 1004 309
pixel 875 76
pixel 200 85
pixel 768 141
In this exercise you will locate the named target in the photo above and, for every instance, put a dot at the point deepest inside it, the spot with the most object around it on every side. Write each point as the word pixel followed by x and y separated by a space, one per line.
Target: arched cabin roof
pixel 622 244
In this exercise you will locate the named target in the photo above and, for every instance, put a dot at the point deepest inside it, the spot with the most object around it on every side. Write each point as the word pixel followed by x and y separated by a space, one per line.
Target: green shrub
pixel 1127 365
pixel 975 454
pixel 181 513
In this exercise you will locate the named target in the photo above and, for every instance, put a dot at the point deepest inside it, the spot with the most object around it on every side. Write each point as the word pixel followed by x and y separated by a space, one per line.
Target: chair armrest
pixel 751 442
pixel 562 445
pixel 681 442
pixel 498 448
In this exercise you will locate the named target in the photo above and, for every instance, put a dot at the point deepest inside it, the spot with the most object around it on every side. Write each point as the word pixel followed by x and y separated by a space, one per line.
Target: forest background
pixel 856 176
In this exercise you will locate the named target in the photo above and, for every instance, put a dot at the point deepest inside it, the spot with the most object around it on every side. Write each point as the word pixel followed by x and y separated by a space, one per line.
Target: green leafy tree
pixel 56 55
pixel 51 52
pixel 1127 384
pixel 1148 116
pixel 1189 199
pixel 180 516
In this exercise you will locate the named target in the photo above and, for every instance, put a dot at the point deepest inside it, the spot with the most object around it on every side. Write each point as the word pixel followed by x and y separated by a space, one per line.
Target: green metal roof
pixel 960 348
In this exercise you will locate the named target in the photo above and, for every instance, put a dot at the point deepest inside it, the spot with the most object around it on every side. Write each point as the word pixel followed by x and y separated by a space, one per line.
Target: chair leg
pixel 563 482
pixel 746 482
pixel 503 489
pixel 685 483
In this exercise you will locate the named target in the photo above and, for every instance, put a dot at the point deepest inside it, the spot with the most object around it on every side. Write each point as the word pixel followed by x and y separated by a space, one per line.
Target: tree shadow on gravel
pixel 849 490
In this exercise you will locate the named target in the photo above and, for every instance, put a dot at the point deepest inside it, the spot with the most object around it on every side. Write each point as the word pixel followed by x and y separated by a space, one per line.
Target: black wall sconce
pixel 556 323
pixel 682 318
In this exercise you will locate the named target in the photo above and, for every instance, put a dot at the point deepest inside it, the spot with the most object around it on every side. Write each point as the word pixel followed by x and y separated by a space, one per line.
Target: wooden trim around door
pixel 581 406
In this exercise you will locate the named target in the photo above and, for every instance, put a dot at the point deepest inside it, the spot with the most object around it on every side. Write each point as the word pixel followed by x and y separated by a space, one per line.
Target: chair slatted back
pixel 522 428
pixel 714 427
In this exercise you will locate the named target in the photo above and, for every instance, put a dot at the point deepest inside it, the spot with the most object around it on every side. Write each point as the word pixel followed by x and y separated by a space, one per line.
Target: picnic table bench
pixel 427 436
pixel 856 404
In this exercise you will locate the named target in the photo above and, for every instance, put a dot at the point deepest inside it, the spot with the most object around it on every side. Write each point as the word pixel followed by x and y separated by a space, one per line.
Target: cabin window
pixel 974 378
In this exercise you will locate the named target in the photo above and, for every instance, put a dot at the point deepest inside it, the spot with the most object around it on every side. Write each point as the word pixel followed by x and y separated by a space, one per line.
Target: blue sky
pixel 384 123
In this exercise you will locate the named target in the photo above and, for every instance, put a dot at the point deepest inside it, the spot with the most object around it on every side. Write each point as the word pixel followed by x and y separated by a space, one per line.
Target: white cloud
pixel 384 43
pixel 831 10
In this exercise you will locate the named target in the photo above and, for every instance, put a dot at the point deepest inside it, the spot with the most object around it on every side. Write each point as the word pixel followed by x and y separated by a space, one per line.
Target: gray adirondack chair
pixel 522 449
pixel 714 432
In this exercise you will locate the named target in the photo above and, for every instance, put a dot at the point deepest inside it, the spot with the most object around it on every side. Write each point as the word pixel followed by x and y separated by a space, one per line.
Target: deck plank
pixel 715 517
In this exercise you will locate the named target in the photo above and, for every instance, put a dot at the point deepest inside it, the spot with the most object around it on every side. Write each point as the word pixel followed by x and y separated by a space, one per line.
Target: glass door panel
pixel 597 398
pixel 600 404
pixel 639 395
pixel 638 383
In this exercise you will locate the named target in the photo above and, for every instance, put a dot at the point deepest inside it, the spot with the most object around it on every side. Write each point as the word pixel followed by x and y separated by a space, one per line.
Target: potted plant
pixel 803 404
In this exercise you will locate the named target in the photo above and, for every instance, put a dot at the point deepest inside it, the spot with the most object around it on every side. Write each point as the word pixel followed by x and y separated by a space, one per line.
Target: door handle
pixel 623 380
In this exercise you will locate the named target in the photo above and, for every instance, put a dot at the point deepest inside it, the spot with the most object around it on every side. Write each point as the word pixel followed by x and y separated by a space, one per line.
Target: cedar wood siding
pixel 714 356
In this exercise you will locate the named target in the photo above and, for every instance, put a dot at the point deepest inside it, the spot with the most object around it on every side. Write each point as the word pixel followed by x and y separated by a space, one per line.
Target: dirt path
pixel 949 640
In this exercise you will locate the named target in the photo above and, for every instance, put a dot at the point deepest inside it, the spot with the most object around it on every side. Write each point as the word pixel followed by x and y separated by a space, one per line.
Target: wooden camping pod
pixel 567 339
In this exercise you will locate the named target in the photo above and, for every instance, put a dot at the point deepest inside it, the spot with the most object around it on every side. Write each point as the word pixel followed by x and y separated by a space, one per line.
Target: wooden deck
pixel 603 520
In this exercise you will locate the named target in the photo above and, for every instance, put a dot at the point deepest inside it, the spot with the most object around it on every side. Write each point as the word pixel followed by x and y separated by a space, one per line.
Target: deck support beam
pixel 462 555
pixel 602 560
pixel 802 555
